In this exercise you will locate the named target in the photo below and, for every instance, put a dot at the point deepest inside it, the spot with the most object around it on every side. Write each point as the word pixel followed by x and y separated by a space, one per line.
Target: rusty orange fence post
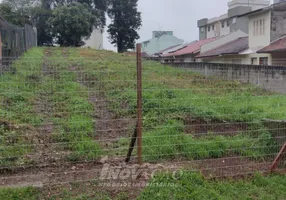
pixel 139 104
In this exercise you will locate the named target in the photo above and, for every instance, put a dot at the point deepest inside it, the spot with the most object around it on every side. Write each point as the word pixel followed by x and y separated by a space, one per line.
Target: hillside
pixel 63 109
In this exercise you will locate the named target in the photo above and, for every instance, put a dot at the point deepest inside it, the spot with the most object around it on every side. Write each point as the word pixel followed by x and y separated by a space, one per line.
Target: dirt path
pixel 109 128
pixel 91 171
pixel 46 152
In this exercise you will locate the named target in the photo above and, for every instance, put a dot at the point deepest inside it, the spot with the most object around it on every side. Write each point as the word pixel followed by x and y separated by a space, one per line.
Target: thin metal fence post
pixel 139 104
pixel 1 50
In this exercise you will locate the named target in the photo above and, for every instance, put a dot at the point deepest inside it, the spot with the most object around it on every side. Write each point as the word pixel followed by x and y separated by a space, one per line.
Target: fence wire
pixel 15 41
pixel 66 112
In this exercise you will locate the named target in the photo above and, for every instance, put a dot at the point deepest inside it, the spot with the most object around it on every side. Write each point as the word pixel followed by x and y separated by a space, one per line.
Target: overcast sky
pixel 179 16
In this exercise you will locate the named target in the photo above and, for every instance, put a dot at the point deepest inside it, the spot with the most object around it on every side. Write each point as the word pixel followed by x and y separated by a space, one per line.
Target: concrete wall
pixel 278 24
pixel 222 41
pixel 259 40
pixel 212 33
pixel 218 29
pixel 202 32
pixel 272 78
pixel 96 40
pixel 241 24
pixel 254 4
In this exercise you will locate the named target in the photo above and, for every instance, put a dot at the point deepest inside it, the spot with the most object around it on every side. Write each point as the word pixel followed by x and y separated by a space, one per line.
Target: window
pixel 209 28
pixel 227 23
pixel 234 20
pixel 213 27
pixel 263 61
pixel 202 29
pixel 254 28
pixel 222 24
pixel 263 25
pixel 254 61
pixel 259 27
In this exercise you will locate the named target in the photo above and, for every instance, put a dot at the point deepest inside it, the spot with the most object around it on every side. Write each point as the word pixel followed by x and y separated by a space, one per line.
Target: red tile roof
pixel 192 48
pixel 233 47
pixel 277 45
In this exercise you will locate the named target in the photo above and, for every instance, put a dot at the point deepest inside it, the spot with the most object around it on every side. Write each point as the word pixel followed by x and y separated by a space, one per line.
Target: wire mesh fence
pixel 15 41
pixel 66 113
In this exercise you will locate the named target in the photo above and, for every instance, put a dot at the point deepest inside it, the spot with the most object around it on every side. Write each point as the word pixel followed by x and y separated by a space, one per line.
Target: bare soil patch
pixel 109 128
pixel 200 127
pixel 231 167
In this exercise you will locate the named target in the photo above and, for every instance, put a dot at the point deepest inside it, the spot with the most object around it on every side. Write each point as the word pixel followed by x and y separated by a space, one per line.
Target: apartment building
pixel 230 21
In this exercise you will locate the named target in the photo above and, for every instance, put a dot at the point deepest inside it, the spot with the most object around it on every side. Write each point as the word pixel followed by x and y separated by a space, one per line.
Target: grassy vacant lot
pixel 46 111
pixel 49 91
pixel 171 95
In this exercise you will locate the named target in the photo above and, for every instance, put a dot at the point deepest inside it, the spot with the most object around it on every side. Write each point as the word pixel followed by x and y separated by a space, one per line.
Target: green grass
pixel 193 186
pixel 43 90
pixel 170 95
pixel 189 186
pixel 19 193
pixel 170 141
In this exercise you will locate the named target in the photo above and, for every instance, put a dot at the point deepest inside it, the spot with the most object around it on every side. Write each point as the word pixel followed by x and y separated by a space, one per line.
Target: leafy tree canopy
pixel 126 21
pixel 72 23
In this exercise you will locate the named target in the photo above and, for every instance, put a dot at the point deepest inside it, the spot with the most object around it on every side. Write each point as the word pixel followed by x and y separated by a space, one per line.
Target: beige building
pixel 266 25
pixel 267 28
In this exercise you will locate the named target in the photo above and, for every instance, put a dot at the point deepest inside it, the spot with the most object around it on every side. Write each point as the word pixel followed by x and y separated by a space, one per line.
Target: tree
pixel 72 23
pixel 23 7
pixel 98 8
pixel 15 14
pixel 126 20
pixel 40 19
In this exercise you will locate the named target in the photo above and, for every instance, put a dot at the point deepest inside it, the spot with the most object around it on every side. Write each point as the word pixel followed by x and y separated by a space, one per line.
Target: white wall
pixel 221 41
pixel 218 30
pixel 260 40
pixel 95 41
pixel 244 59
pixel 254 4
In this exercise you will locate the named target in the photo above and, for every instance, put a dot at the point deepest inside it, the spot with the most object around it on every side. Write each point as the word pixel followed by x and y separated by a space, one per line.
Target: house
pixel 266 26
pixel 186 53
pixel 95 41
pixel 232 21
pixel 160 41
pixel 227 53
pixel 277 49
pixel 267 30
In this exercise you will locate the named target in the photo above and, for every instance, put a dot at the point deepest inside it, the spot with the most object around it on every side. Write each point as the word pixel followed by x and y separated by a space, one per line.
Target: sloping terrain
pixel 63 109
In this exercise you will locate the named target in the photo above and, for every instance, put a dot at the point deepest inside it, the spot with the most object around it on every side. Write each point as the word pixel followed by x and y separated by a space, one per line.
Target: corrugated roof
pixel 277 45
pixel 190 49
pixel 169 48
pixel 233 47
